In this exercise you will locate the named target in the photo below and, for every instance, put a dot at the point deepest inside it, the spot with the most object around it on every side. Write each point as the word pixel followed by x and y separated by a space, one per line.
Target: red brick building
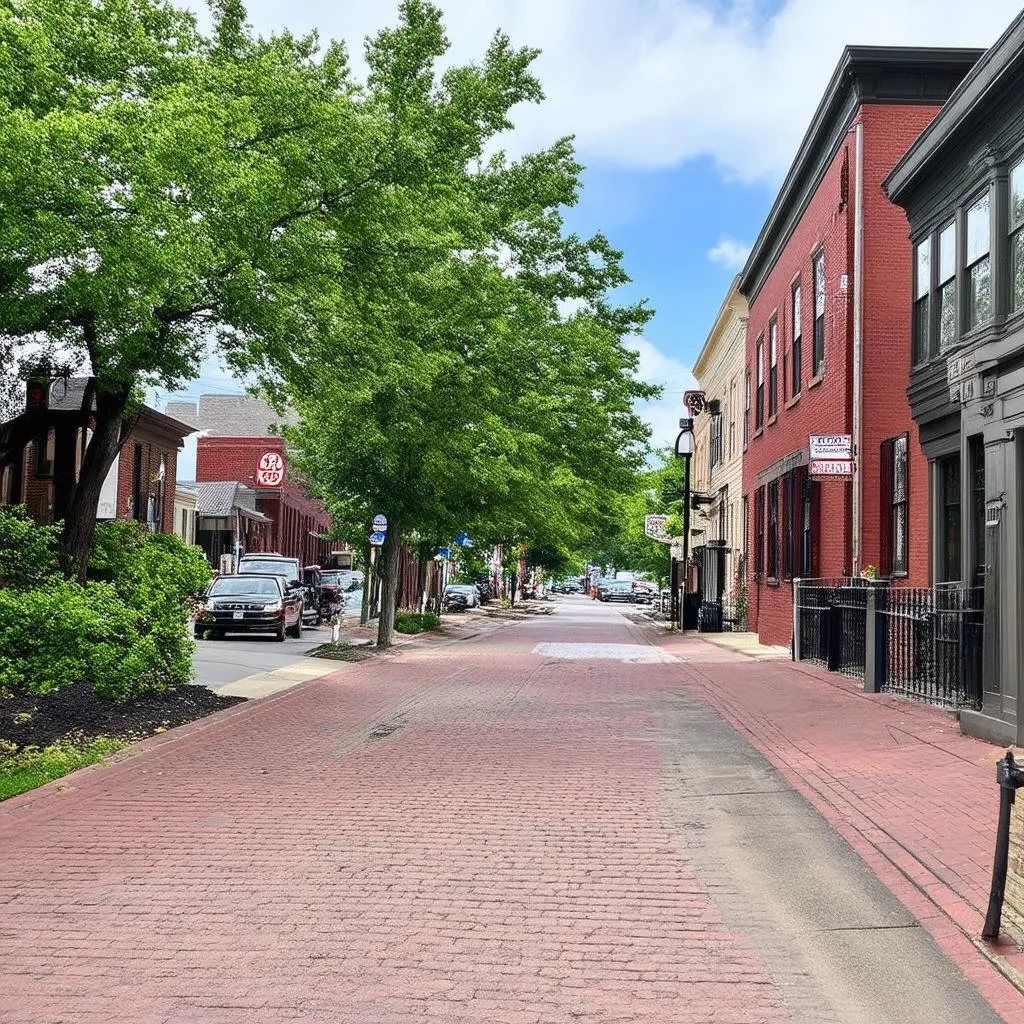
pixel 236 432
pixel 299 522
pixel 827 341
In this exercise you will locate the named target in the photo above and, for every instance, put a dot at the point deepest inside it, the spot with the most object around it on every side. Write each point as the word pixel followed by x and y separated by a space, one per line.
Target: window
pixel 745 522
pixel 759 532
pixel 808 491
pixel 773 368
pixel 949 490
pixel 759 399
pixel 715 441
pixel 818 355
pixel 978 267
pixel 922 300
pixel 746 410
pixel 723 515
pixel 796 374
pixel 893 521
pixel 773 530
pixel 139 504
pixel 947 287
pixel 732 417
pixel 1017 238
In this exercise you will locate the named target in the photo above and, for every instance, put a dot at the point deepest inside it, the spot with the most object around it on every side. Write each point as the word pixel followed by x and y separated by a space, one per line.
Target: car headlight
pixel 274 606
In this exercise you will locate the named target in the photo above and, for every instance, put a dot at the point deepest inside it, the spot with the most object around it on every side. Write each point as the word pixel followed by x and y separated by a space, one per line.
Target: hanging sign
pixel 830 467
pixel 380 524
pixel 654 527
pixel 831 447
pixel 377 538
pixel 270 470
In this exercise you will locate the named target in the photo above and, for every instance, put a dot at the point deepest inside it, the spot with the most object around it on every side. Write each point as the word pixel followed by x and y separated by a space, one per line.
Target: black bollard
pixel 1009 777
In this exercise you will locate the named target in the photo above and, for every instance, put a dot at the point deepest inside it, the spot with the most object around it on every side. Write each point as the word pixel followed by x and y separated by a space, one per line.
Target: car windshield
pixel 458 590
pixel 235 587
pixel 331 579
pixel 270 566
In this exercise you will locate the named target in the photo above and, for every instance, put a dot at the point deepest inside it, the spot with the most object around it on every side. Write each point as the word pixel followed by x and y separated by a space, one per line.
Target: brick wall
pixel 887 332
pixel 825 403
pixel 295 513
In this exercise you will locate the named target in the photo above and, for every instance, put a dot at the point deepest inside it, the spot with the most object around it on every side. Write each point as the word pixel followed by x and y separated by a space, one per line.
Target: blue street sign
pixel 462 540
pixel 444 552
pixel 377 538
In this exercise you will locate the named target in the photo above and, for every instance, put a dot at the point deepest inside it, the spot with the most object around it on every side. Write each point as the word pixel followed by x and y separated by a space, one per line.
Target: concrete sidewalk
pixel 913 796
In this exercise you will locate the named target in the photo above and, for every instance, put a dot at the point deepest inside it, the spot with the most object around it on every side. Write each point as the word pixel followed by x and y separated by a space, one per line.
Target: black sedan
pixel 250 604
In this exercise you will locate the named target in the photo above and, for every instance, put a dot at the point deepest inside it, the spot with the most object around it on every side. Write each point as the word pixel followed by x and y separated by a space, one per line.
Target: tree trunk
pixel 387 567
pixel 80 523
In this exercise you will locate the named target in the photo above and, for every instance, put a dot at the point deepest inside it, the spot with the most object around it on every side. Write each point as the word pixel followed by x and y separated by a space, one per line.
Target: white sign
pixel 831 446
pixel 654 527
pixel 107 507
pixel 831 467
pixel 270 470
pixel 380 524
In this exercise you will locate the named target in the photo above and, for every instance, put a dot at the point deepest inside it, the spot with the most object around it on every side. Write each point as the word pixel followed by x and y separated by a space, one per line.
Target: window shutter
pixel 885 478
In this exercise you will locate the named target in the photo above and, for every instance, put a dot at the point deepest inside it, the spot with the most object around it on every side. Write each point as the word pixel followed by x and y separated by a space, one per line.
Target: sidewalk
pixel 914 797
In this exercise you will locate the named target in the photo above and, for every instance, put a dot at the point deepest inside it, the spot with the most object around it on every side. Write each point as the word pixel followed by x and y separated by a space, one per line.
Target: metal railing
pixel 922 643
pixel 832 624
pixel 930 644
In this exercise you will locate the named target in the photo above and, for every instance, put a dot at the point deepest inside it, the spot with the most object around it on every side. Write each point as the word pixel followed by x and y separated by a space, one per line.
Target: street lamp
pixel 684 449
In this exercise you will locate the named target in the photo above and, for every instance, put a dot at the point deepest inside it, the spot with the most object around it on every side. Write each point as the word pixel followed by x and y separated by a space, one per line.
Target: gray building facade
pixel 962 187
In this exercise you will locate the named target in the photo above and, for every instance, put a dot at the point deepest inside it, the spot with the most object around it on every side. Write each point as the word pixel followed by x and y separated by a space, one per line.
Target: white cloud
pixel 651 83
pixel 729 254
pixel 655 367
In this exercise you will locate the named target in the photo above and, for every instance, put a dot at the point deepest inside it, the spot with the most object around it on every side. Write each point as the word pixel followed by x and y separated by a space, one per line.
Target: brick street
pixel 486 830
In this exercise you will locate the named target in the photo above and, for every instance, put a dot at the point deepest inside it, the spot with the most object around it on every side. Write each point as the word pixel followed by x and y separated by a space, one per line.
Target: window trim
pixel 818 322
pixel 796 341
pixel 759 380
pixel 969 324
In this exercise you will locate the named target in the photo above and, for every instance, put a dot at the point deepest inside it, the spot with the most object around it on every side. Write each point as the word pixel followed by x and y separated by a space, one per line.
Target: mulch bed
pixel 343 652
pixel 76 714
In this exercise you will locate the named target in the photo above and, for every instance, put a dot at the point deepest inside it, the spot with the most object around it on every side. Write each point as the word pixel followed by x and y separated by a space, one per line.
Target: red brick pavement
pixel 915 797
pixel 464 833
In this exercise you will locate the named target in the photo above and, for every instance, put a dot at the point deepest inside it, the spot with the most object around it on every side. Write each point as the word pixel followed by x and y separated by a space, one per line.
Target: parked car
pixel 250 603
pixel 269 563
pixel 644 592
pixel 338 589
pixel 617 590
pixel 458 597
pixel 312 595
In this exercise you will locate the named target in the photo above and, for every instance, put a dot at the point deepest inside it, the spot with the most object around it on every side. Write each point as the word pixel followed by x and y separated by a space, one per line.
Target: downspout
pixel 858 343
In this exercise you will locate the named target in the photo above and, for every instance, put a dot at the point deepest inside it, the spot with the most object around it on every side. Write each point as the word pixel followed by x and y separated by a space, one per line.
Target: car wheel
pixel 280 634
pixel 296 630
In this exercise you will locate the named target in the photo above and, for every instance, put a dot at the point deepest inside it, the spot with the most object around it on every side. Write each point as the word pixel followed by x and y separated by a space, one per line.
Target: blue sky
pixel 686 113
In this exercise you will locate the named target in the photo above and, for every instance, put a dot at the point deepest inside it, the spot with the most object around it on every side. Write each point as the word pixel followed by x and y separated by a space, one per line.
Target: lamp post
pixel 684 449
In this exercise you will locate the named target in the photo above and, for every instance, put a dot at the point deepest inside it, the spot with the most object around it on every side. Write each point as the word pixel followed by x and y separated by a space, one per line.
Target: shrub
pixel 125 631
pixel 28 553
pixel 413 622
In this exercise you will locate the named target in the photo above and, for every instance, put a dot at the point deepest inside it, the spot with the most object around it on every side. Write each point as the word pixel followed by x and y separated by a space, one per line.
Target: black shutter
pixel 885 480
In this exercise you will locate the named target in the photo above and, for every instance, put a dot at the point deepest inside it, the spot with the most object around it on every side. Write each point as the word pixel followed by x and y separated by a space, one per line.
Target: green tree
pixel 451 390
pixel 163 191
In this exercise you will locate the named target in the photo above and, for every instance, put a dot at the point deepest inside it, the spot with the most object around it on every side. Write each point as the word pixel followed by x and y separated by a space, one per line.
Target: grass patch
pixel 413 622
pixel 32 767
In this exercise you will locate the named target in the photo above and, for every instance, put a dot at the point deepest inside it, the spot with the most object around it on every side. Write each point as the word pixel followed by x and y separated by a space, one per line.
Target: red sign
pixel 830 467
pixel 270 470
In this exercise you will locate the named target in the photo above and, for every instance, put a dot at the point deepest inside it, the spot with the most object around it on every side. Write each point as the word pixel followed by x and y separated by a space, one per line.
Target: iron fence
pixel 930 644
pixel 734 614
pixel 832 623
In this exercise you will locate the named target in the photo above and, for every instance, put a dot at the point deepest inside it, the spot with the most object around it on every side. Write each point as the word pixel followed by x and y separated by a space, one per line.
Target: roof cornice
pixel 864 74
pixel 987 75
